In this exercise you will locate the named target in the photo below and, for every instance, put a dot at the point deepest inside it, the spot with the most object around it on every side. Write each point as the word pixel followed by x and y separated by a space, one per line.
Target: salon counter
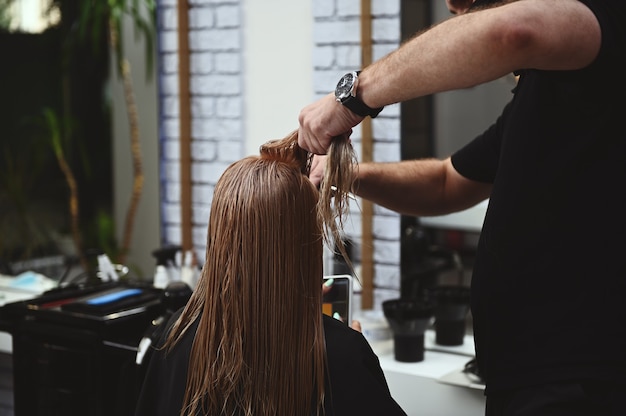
pixel 436 386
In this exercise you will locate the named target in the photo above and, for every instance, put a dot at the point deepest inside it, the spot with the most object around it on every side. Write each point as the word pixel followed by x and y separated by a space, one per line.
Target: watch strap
pixel 359 107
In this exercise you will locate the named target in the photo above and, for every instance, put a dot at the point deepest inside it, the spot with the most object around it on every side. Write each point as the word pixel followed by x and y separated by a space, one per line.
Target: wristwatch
pixel 345 93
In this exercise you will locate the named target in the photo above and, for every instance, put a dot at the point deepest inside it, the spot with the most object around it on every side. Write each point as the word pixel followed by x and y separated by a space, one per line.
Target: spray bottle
pixel 165 258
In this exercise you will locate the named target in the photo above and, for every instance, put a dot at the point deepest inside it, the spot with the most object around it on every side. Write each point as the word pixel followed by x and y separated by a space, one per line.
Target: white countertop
pixel 436 386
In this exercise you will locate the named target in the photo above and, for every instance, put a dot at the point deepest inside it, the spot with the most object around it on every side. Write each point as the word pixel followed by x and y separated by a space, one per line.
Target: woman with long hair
pixel 252 339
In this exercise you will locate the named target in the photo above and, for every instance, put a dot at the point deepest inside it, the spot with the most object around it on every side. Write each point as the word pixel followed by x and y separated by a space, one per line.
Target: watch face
pixel 344 86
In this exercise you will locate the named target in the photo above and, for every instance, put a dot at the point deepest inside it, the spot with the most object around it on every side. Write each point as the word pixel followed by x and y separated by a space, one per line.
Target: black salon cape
pixel 355 384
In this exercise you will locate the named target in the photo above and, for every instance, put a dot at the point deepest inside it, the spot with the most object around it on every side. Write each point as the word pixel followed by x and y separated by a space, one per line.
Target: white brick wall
pixel 336 50
pixel 216 108
pixel 217 95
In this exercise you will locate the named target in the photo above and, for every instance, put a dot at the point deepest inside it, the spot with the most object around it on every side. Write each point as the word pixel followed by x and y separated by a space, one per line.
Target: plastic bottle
pixel 161 277
pixel 188 273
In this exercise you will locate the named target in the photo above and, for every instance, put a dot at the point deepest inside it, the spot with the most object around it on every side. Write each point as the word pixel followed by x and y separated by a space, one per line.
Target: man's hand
pixel 318 164
pixel 323 120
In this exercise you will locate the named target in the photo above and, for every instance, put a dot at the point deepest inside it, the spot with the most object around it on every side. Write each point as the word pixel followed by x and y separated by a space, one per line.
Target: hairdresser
pixel 549 278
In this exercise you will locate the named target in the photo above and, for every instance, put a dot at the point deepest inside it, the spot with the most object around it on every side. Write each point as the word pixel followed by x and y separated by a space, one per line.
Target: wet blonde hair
pixel 336 185
pixel 335 189
pixel 259 348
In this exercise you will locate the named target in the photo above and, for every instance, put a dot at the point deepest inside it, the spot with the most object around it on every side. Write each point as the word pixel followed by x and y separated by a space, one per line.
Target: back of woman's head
pixel 263 220
pixel 264 210
pixel 259 347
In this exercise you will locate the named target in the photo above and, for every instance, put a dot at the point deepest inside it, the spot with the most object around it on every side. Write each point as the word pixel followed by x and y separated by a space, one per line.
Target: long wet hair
pixel 259 348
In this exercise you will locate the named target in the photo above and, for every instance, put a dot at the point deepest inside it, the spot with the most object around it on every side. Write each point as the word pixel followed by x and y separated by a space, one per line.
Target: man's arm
pixel 419 187
pixel 478 47
pixel 462 52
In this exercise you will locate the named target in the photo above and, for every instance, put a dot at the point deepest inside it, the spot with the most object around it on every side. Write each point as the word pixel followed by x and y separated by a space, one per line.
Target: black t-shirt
pixel 549 279
pixel 355 383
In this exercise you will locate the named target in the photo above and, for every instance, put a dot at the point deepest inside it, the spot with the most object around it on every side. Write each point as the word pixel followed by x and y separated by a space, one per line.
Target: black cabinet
pixel 75 361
